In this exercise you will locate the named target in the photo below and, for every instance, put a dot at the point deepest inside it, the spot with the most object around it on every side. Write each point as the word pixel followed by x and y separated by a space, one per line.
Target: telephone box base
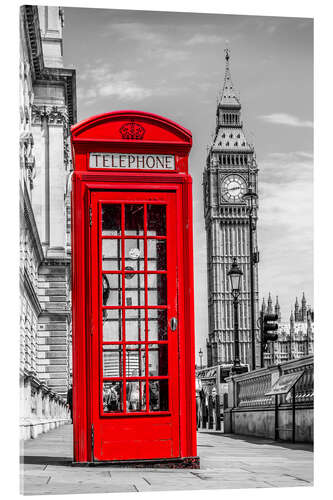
pixel 167 463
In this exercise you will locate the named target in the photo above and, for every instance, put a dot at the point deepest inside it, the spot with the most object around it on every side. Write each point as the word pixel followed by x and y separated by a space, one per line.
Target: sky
pixel 172 64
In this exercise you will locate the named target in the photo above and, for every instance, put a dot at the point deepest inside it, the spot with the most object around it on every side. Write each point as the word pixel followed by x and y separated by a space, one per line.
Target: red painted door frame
pixel 101 134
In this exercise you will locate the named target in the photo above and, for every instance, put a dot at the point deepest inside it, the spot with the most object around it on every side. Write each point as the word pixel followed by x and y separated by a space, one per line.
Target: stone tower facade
pixel 47 110
pixel 230 172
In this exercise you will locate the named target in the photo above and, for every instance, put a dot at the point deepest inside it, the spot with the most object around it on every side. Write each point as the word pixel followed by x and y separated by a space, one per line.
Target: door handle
pixel 173 324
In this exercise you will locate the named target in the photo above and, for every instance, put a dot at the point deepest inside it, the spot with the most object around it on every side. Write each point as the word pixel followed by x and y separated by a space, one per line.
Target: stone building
pixel 230 171
pixel 47 109
pixel 295 338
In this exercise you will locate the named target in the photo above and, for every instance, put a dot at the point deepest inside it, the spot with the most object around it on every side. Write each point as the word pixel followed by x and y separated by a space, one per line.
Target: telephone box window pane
pixel 134 289
pixel 134 255
pixel 157 324
pixel 111 255
pixel 158 359
pixel 134 220
pixel 111 289
pixel 112 397
pixel 136 395
pixel 157 289
pixel 135 325
pixel 135 360
pixel 158 395
pixel 112 361
pixel 156 255
pixel 112 325
pixel 111 220
pixel 156 220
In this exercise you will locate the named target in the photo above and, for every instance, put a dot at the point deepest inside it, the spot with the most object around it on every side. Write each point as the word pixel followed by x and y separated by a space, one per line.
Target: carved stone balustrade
pixel 251 412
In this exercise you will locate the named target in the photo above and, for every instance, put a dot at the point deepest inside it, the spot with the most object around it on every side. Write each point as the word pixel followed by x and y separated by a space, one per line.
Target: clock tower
pixel 230 172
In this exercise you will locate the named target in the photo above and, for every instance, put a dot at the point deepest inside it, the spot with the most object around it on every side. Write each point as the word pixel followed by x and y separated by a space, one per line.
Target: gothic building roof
pixel 229 134
pixel 231 139
pixel 229 98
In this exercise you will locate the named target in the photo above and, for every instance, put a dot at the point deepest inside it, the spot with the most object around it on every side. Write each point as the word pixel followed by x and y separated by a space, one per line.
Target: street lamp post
pixel 200 356
pixel 250 196
pixel 235 274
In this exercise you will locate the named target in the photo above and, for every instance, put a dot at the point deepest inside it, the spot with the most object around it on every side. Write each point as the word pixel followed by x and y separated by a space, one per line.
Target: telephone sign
pixel 132 161
pixel 132 280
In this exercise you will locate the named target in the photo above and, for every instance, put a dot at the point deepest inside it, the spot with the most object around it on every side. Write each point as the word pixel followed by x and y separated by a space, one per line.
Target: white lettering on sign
pixel 132 161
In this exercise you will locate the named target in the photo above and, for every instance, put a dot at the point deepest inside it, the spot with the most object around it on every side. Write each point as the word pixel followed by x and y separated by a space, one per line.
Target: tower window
pixel 223 135
pixel 243 143
pixel 227 143
pixel 231 136
pixel 238 136
pixel 236 143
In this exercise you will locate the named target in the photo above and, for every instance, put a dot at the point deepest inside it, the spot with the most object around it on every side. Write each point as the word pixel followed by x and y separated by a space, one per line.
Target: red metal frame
pixel 161 136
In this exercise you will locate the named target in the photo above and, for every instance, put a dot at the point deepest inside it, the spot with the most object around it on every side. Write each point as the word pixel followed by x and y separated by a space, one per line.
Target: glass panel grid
pixel 135 250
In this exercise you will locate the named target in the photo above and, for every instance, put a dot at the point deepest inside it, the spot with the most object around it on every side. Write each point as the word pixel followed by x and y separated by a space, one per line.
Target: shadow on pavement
pixel 264 441
pixel 39 460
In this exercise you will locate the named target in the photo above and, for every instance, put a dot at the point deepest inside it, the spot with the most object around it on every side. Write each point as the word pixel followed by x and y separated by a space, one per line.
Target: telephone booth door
pixel 135 401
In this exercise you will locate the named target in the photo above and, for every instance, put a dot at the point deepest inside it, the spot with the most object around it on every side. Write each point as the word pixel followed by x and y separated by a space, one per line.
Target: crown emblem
pixel 132 130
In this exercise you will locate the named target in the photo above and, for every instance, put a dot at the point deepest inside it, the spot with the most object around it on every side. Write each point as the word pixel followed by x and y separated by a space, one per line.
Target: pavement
pixel 227 461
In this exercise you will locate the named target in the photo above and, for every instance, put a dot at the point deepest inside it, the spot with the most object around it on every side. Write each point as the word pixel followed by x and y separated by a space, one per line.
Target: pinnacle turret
pixel 297 315
pixel 269 304
pixel 228 98
pixel 277 308
pixel 263 306
pixel 304 308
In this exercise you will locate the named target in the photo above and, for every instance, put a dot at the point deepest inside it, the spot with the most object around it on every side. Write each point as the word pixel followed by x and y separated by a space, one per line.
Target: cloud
pixel 286 119
pixel 105 82
pixel 199 39
pixel 132 31
pixel 285 224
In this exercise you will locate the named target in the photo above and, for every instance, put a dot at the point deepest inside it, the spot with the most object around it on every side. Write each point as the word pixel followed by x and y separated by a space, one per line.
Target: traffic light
pixel 268 325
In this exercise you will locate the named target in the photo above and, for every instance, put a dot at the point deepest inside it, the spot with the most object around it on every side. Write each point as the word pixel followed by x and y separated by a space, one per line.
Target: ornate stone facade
pixel 296 337
pixel 230 171
pixel 47 109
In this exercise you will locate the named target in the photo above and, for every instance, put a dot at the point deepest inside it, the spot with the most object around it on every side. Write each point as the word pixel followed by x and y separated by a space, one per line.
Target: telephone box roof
pixel 128 126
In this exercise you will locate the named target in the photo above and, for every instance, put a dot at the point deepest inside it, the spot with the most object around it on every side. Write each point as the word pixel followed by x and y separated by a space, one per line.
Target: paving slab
pixel 227 462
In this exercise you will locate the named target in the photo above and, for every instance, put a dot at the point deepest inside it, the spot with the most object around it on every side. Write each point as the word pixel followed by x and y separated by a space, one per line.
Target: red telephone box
pixel 132 280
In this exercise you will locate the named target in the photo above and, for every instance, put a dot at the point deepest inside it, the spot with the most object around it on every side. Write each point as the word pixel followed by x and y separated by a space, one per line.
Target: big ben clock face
pixel 233 188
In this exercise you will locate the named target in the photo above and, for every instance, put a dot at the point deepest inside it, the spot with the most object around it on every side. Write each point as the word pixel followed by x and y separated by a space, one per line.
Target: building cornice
pixel 34 41
pixel 42 74
pixel 25 282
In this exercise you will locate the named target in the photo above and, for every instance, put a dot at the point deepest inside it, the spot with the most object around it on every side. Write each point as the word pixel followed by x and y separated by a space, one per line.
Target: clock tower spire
pixel 230 172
